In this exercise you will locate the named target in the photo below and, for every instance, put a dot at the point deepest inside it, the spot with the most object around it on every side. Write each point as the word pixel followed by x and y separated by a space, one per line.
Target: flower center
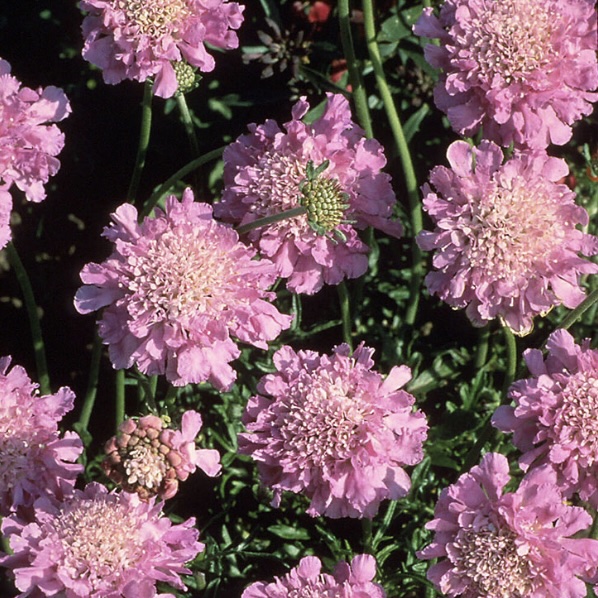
pixel 513 228
pixel 180 275
pixel 315 589
pixel 144 464
pixel 491 561
pixel 321 423
pixel 99 540
pixel 578 416
pixel 511 38
pixel 155 18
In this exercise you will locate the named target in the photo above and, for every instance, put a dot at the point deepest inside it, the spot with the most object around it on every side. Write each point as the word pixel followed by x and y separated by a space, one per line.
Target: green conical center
pixel 325 203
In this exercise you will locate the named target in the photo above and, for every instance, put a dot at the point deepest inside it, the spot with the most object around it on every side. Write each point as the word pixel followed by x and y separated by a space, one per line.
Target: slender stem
pixel 366 526
pixel 343 296
pixel 415 208
pixel 188 122
pixel 144 135
pixel 572 317
pixel 120 397
pixel 297 311
pixel 359 94
pixel 266 220
pixel 34 321
pixel 92 383
pixel 177 176
pixel 482 349
pixel 4 543
pixel 511 346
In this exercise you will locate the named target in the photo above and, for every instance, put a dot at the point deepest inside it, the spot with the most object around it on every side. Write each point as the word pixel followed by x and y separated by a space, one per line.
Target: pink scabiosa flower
pixel 330 170
pixel 506 240
pixel 552 421
pixel 98 544
pixel 334 431
pixel 150 459
pixel 518 544
pixel 164 39
pixel 523 70
pixel 34 459
pixel 348 581
pixel 175 289
pixel 28 144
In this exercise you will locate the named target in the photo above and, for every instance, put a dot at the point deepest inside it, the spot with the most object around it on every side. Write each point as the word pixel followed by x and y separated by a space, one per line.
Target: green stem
pixel 150 204
pixel 34 321
pixel 120 397
pixel 511 346
pixel 482 349
pixel 415 208
pixel 144 135
pixel 92 383
pixel 266 220
pixel 366 526
pixel 343 296
pixel 358 89
pixel 188 122
pixel 572 317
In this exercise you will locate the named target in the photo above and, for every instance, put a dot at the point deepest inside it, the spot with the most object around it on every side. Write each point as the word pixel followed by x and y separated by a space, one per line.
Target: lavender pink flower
pixel 495 544
pixel 161 39
pixel 552 420
pixel 34 459
pixel 347 581
pixel 98 544
pixel 505 239
pixel 332 429
pixel 175 290
pixel 150 459
pixel 329 168
pixel 28 144
pixel 521 70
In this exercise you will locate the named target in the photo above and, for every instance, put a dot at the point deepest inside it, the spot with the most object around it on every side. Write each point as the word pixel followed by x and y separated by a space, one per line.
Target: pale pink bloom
pixel 139 39
pixel 553 421
pixel 96 544
pixel 267 172
pixel 506 243
pixel 149 458
pixel 347 581
pixel 28 144
pixel 522 70
pixel 175 289
pixel 34 459
pixel 334 430
pixel 509 545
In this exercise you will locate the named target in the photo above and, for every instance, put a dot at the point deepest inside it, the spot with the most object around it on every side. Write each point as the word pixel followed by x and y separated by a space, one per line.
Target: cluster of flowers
pixel 519 73
pixel 507 246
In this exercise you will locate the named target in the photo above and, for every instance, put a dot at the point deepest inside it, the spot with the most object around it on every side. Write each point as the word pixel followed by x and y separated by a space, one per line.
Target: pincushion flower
pixel 506 240
pixel 554 414
pixel 34 459
pixel 334 430
pixel 163 39
pixel 150 459
pixel 28 144
pixel 330 170
pixel 522 70
pixel 348 581
pixel 98 544
pixel 505 545
pixel 175 289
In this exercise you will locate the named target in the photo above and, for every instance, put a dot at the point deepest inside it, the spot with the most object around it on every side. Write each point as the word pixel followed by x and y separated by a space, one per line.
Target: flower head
pixel 327 167
pixel 348 581
pixel 34 459
pixel 137 39
pixel 553 421
pixel 506 239
pixel 334 430
pixel 28 145
pixel 150 459
pixel 523 70
pixel 98 545
pixel 516 544
pixel 175 289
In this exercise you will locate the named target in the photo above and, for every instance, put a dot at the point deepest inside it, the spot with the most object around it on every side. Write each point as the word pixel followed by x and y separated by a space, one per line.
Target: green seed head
pixel 186 77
